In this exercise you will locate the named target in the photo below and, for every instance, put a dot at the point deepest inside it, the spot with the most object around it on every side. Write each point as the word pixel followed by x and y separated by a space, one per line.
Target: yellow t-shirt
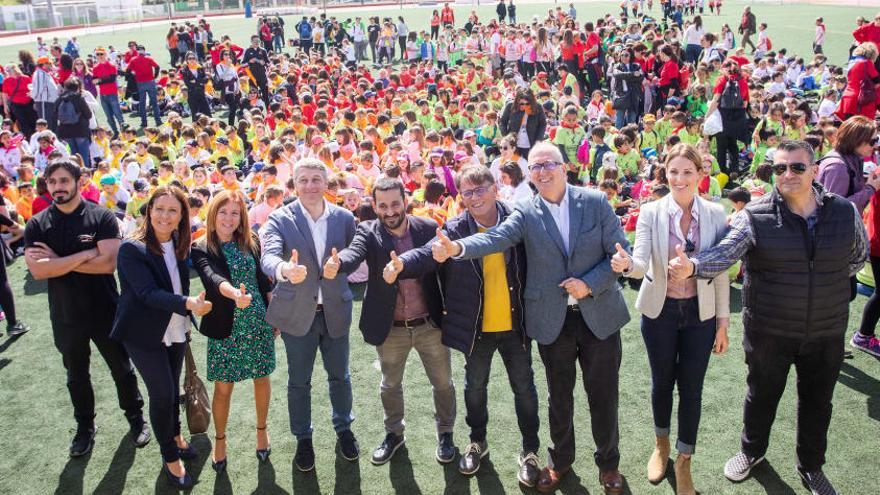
pixel 496 295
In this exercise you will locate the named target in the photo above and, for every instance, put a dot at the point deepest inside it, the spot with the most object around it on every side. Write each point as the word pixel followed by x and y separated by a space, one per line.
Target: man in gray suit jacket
pixel 310 311
pixel 573 305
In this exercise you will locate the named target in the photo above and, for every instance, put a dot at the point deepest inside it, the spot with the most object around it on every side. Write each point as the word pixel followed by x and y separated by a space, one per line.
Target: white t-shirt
pixel 693 35
pixel 178 325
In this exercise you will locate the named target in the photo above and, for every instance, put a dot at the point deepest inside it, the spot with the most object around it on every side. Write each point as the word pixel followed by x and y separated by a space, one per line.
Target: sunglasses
pixel 796 168
pixel 689 246
pixel 478 191
pixel 548 166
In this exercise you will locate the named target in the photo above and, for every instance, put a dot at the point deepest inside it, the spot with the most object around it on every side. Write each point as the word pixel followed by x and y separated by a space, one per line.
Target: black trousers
pixel 600 364
pixel 231 100
pixel 160 368
pixel 198 104
pixel 727 152
pixel 769 359
pixel 25 116
pixel 74 344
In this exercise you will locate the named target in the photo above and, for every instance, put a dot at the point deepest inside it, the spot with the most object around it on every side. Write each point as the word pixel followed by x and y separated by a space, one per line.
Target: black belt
pixel 574 307
pixel 415 322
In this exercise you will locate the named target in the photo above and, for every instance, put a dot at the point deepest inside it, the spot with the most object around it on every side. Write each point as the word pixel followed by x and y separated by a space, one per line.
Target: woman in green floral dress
pixel 241 345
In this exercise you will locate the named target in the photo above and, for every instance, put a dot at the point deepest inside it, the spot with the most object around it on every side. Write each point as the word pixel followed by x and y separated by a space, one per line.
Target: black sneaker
pixel 140 433
pixel 17 329
pixel 816 482
pixel 470 459
pixel 528 469
pixel 348 446
pixel 305 455
pixel 385 451
pixel 739 466
pixel 445 448
pixel 83 441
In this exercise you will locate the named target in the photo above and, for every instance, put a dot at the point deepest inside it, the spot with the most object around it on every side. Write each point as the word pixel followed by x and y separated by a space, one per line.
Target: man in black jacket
pixel 484 311
pixel 257 59
pixel 800 246
pixel 400 317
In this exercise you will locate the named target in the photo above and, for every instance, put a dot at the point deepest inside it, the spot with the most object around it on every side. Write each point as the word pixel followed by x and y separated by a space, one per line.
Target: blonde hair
pixel 867 50
pixel 242 235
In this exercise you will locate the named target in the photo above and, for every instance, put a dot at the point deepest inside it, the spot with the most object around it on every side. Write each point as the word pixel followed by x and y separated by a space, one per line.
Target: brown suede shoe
pixel 659 460
pixel 612 482
pixel 683 481
pixel 549 479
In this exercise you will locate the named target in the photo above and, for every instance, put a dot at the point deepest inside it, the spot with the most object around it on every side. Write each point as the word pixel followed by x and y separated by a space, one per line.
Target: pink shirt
pixel 688 288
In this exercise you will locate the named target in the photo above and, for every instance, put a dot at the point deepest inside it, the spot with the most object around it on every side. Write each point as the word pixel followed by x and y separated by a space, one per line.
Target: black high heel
pixel 263 454
pixel 184 482
pixel 219 466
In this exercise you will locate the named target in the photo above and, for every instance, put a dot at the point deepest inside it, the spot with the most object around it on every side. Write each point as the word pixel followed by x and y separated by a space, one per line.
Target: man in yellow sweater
pixel 483 299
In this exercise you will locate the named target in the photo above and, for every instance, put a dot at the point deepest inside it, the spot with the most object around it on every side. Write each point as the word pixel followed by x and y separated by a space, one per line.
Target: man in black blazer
pixel 73 244
pixel 400 317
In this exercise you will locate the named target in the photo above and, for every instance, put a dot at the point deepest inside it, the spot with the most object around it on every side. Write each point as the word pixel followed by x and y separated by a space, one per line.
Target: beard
pixel 392 222
pixel 61 197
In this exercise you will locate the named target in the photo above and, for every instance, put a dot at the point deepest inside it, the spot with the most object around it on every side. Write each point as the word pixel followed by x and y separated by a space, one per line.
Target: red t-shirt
pixel 18 89
pixel 868 32
pixel 142 68
pixel 102 70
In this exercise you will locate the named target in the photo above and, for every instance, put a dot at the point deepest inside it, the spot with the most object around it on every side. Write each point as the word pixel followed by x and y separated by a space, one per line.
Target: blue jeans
pixel 110 104
pixel 301 352
pixel 692 53
pixel 145 89
pixel 80 146
pixel 518 362
pixel 626 116
pixel 678 346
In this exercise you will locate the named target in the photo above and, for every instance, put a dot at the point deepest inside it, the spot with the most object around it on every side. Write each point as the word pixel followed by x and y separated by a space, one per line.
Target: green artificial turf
pixel 36 425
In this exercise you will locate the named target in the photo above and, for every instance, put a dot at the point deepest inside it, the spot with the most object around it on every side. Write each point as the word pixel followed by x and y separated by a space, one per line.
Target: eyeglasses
pixel 505 148
pixel 796 168
pixel 548 166
pixel 476 192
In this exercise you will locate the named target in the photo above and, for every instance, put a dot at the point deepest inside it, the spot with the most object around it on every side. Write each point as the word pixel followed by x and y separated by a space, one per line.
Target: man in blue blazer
pixel 573 305
pixel 400 317
pixel 310 311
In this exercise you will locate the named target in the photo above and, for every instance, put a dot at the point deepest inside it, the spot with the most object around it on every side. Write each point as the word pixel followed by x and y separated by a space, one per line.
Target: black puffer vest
pixel 797 282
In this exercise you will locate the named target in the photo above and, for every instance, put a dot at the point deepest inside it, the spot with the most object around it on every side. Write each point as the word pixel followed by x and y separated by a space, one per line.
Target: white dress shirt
pixel 178 325
pixel 318 229
pixel 559 212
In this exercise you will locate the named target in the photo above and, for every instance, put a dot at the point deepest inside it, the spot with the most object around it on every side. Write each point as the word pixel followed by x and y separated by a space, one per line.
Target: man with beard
pixel 73 244
pixel 311 312
pixel 257 58
pixel 399 317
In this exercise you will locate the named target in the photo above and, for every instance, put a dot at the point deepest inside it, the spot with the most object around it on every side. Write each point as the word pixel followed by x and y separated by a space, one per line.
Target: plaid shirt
pixel 741 238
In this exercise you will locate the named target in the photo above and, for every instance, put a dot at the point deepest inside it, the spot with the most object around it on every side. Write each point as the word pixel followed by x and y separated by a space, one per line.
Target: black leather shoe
pixel 348 446
pixel 445 448
pixel 140 434
pixel 17 329
pixel 188 453
pixel 184 482
pixel 83 441
pixel 528 469
pixel 385 451
pixel 470 459
pixel 263 454
pixel 305 455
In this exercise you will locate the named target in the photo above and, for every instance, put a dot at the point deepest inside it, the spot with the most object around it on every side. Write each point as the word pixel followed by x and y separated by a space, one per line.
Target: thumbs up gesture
pixel 392 269
pixel 331 266
pixel 198 305
pixel 293 271
pixel 621 260
pixel 242 298
pixel 680 267
pixel 443 248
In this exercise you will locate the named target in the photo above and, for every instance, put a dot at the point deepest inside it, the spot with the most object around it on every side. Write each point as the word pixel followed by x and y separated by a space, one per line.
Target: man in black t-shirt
pixel 73 244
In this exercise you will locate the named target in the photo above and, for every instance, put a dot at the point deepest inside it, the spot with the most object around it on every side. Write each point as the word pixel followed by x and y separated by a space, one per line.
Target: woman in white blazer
pixel 682 322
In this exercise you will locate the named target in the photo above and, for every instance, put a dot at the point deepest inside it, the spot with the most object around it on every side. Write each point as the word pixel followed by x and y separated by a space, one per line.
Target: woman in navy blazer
pixel 152 317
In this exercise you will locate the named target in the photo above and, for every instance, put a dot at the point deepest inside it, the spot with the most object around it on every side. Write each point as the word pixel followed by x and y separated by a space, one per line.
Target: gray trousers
pixel 436 359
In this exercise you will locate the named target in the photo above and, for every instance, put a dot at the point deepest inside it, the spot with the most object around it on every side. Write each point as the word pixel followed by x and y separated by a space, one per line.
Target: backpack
pixel 769 44
pixel 305 30
pixel 731 98
pixel 68 114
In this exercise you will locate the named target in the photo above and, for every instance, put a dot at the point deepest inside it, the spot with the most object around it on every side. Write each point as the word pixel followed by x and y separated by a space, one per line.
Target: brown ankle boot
pixel 684 483
pixel 657 463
